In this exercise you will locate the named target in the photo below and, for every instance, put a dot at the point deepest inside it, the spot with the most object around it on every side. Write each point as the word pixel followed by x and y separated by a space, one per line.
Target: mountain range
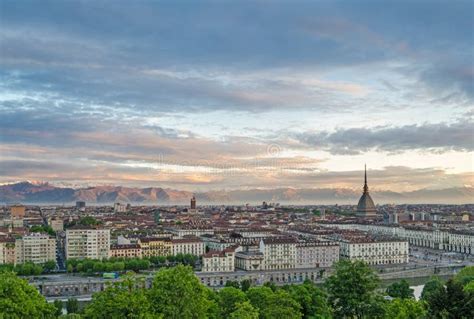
pixel 44 193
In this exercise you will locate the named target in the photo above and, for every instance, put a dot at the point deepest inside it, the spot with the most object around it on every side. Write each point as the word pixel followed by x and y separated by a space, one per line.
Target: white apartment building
pixel 189 231
pixel 193 246
pixel 249 260
pixel 357 246
pixel 278 253
pixel 255 232
pixel 219 261
pixel 461 242
pixel 448 240
pixel 316 254
pixel 37 248
pixel 215 242
pixel 87 242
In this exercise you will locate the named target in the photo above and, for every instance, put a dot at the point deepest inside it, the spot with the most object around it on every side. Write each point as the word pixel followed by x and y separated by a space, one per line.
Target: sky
pixel 213 95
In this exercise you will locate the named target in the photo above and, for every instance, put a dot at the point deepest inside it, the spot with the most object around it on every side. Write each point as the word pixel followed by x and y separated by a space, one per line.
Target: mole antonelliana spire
pixel 366 188
pixel 366 206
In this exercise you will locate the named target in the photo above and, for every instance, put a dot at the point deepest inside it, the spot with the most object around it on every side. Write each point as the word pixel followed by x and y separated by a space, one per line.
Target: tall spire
pixel 366 187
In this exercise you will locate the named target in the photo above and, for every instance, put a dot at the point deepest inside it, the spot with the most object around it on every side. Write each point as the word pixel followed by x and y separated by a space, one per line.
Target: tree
pixel 274 304
pixel 213 311
pixel 89 221
pixel 450 302
pixel 405 308
pixel 58 304
pixel 431 287
pixel 49 265
pixel 459 303
pixel 125 299
pixel 400 289
pixel 18 299
pixel 245 284
pixel 313 300
pixel 465 276
pixel 228 298
pixel 72 305
pixel 259 297
pixel 244 310
pixel 270 285
pixel 232 283
pixel 469 288
pixel 119 266
pixel 351 289
pixel 43 229
pixel 178 293
pixel 28 269
pixel 282 306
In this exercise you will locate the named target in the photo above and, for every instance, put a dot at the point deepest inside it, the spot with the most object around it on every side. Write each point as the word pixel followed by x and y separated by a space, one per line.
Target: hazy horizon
pixel 48 194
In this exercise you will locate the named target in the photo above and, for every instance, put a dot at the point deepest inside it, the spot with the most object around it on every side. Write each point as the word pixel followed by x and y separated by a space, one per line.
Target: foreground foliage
pixel 351 292
pixel 18 299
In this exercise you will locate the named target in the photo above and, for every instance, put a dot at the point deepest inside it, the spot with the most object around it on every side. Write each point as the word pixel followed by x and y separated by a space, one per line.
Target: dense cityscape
pixel 72 253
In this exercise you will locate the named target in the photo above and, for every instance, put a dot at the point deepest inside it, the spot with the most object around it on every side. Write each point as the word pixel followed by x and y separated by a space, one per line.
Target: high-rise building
pixel 193 202
pixel 366 206
pixel 120 208
pixel 80 204
pixel 87 242
pixel 37 248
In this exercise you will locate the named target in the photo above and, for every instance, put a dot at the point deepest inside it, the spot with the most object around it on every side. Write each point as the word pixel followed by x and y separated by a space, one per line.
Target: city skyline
pixel 245 95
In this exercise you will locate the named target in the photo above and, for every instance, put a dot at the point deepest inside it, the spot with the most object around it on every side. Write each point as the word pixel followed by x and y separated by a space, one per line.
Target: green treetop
pixel 352 289
pixel 18 299
pixel 400 289
pixel 406 308
pixel 244 310
pixel 125 299
pixel 274 304
pixel 177 293
pixel 228 299
pixel 313 300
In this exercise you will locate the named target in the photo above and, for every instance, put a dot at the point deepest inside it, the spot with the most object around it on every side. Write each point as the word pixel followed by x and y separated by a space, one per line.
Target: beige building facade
pixel 37 248
pixel 87 242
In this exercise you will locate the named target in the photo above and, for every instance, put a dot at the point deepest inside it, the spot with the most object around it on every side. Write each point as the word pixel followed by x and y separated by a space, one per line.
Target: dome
pixel 366 204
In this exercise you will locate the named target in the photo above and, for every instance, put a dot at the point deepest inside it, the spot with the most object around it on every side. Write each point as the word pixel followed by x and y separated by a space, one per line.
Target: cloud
pixel 172 58
pixel 432 137
pixel 149 92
